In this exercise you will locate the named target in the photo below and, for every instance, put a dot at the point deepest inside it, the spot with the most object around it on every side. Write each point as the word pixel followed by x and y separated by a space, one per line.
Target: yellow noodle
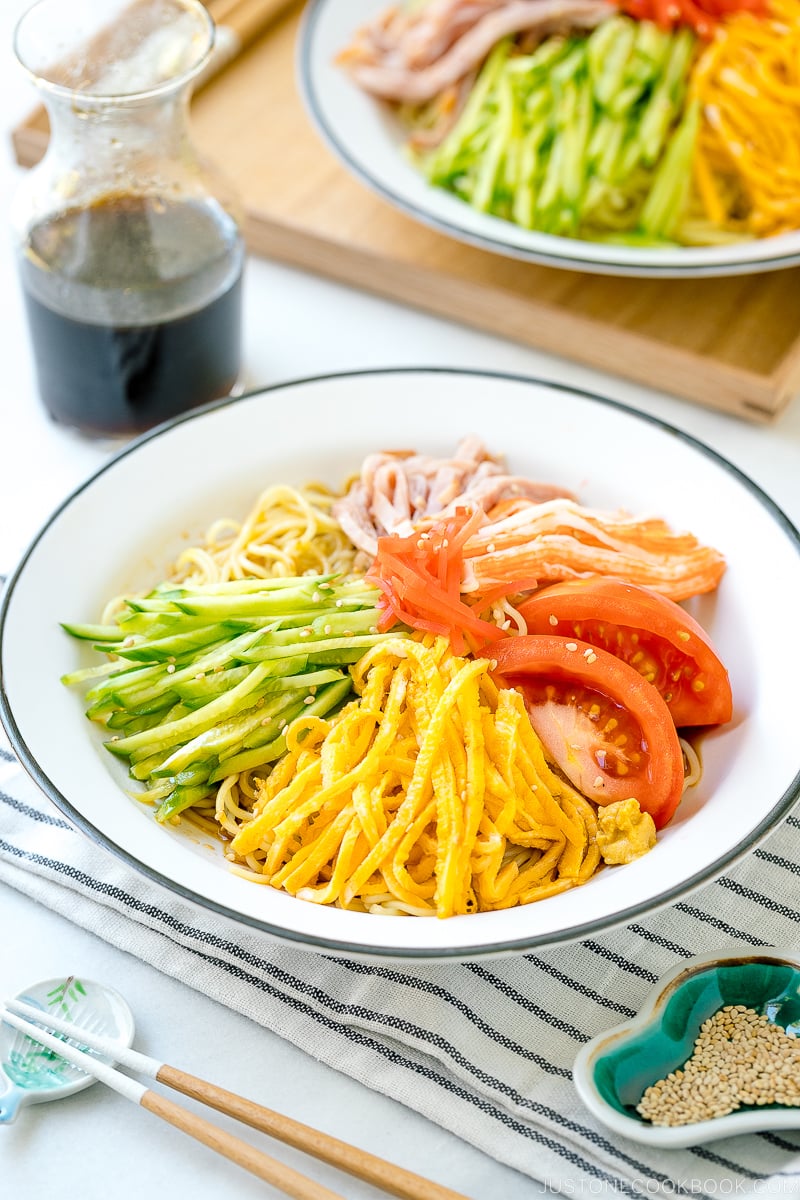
pixel 288 531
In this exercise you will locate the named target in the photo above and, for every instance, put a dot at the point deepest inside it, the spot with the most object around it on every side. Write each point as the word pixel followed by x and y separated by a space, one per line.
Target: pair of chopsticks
pixel 368 1167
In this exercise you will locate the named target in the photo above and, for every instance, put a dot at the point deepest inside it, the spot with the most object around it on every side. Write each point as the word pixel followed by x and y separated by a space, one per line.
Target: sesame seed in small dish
pixel 714 1051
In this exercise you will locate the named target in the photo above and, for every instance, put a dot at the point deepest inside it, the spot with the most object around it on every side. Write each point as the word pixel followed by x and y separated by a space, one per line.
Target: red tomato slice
pixel 605 726
pixel 651 633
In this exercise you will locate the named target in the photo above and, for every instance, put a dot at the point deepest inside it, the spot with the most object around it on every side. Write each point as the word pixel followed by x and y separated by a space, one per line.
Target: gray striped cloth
pixel 485 1047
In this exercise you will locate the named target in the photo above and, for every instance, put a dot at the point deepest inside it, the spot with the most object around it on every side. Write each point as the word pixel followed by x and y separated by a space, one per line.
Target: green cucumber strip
pixel 154 794
pixel 440 163
pixel 272 583
pixel 134 674
pixel 569 66
pixel 667 99
pixel 335 658
pixel 311 647
pixel 85 673
pixel 167 649
pixel 163 679
pixel 263 734
pixel 94 633
pixel 179 800
pixel 666 202
pixel 156 704
pixel 185 727
pixel 608 61
pixel 144 768
pixel 218 607
pixel 325 702
pixel 175 732
pixel 214 741
pixel 623 101
pixel 199 690
pixel 652 44
pixel 194 774
pixel 133 724
pixel 576 140
pixel 158 624
pixel 491 161
pixel 330 624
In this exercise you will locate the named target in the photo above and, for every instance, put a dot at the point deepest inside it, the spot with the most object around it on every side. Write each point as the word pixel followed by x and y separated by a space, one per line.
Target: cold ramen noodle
pixel 446 689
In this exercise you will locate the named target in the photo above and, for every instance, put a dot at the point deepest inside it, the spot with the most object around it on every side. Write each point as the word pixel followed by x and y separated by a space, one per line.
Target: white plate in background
pixel 364 136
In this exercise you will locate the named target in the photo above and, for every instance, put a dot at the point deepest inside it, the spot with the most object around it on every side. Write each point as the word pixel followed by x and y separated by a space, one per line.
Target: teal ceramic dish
pixel 613 1071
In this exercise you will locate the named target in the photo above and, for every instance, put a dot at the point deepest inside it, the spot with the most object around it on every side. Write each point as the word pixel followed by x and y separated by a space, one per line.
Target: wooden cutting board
pixel 731 344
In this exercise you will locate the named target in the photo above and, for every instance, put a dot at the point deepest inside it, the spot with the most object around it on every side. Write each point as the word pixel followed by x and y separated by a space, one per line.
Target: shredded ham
pixel 398 492
pixel 409 58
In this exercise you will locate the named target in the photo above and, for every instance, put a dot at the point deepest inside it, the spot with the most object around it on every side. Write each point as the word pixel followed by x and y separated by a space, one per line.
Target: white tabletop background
pixel 96 1144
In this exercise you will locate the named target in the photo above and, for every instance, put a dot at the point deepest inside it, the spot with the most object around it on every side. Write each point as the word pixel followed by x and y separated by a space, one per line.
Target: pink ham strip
pixel 397 493
pixel 407 86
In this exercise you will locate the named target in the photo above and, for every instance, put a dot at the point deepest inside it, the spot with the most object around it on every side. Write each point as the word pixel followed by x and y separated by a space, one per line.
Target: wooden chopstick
pixel 369 1167
pixel 285 1178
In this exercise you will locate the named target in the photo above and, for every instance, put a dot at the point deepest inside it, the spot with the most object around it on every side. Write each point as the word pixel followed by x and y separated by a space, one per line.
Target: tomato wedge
pixel 648 631
pixel 606 727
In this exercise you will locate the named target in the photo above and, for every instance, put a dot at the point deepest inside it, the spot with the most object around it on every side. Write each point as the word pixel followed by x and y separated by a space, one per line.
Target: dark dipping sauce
pixel 134 308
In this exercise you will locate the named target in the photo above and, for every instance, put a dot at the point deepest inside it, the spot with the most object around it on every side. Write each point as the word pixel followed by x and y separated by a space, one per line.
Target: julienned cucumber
pixel 202 681
pixel 574 138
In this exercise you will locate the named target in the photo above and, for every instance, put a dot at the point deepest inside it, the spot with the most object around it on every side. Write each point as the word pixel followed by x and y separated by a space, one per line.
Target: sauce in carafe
pixel 134 307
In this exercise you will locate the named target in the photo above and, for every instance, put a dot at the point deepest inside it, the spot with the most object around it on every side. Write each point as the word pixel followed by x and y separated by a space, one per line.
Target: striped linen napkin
pixel 483 1047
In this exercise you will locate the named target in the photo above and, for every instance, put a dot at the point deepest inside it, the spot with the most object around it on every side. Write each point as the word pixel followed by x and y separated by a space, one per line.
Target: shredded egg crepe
pixel 429 794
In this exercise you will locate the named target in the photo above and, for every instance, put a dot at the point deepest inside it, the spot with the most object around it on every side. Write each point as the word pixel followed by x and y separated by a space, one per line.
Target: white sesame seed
pixel 740 1058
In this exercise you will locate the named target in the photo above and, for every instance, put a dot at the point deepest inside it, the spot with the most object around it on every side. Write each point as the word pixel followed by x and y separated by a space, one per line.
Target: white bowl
pixel 119 531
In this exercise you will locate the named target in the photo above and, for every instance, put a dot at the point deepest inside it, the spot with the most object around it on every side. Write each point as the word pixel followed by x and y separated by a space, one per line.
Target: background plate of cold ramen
pixel 121 529
pixel 368 140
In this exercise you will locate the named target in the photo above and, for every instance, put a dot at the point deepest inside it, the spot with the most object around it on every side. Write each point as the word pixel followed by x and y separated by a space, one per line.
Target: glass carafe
pixel 129 244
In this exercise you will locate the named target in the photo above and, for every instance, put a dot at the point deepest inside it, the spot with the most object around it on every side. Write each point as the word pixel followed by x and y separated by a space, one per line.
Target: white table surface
pixel 95 1144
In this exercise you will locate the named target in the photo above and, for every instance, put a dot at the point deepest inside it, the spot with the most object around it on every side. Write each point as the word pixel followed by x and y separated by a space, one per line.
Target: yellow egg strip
pixel 747 164
pixel 428 794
